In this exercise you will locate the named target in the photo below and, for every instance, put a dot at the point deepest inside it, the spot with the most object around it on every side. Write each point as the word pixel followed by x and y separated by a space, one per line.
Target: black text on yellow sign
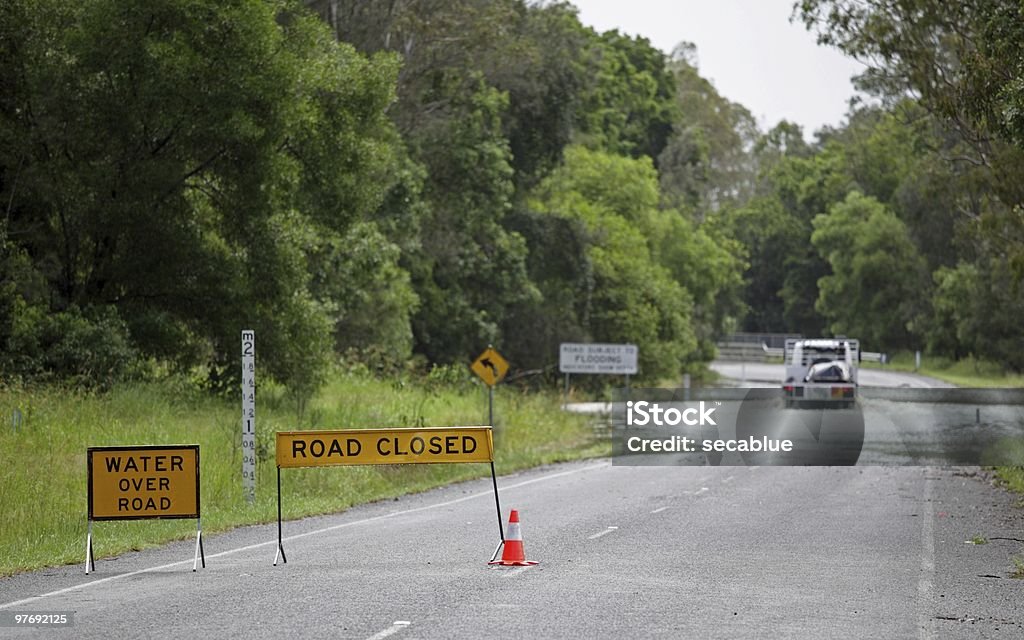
pixel 131 483
pixel 490 367
pixel 384 446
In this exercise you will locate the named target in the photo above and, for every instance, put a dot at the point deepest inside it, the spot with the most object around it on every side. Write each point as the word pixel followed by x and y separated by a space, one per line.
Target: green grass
pixel 43 464
pixel 968 372
pixel 1012 478
pixel 1018 568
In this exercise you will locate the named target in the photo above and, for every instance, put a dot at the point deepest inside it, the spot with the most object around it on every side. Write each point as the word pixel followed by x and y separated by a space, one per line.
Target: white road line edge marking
pixel 925 630
pixel 343 525
pixel 395 627
pixel 659 509
pixel 602 533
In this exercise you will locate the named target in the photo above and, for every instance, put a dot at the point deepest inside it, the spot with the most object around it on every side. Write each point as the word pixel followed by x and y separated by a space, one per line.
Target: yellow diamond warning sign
pixel 490 367
pixel 131 483
pixel 384 446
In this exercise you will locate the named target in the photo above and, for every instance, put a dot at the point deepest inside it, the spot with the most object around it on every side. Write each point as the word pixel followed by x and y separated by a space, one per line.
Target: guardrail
pixel 751 352
pixel 741 351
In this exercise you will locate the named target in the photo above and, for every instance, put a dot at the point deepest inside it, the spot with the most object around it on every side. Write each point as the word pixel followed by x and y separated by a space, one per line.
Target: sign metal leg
pixel 90 560
pixel 497 504
pixel 199 546
pixel 497 550
pixel 280 541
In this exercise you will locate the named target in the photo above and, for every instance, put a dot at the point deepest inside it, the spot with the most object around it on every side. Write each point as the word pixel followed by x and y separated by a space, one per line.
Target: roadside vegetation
pixel 1013 479
pixel 43 463
pixel 968 372
pixel 1018 568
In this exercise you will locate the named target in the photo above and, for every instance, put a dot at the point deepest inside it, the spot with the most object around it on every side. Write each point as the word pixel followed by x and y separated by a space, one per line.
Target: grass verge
pixel 1018 568
pixel 1012 478
pixel 963 373
pixel 43 463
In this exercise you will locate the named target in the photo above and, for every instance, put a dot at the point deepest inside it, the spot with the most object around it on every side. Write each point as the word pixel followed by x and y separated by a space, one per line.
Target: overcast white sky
pixel 748 48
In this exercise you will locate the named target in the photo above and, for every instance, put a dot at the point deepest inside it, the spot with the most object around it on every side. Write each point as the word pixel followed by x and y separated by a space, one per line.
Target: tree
pixel 370 295
pixel 633 298
pixel 709 265
pixel 629 108
pixel 877 285
pixel 708 161
pixel 960 61
pixel 805 186
pixel 162 160
pixel 470 270
pixel 977 312
pixel 545 85
pixel 769 236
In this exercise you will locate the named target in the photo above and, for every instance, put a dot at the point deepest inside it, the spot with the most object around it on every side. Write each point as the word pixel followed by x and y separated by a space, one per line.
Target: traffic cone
pixel 512 553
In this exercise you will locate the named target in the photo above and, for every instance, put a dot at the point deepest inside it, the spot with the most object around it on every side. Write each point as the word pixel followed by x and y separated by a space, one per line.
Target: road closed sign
pixel 384 446
pixel 618 359
pixel 136 482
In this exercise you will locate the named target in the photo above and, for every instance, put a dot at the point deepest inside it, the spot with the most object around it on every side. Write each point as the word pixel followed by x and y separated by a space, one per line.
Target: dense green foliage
pixel 375 182
pixel 165 169
pixel 943 153
pixel 409 181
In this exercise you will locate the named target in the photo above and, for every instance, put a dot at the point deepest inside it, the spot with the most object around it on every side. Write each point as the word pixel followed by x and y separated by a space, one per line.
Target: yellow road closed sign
pixel 384 446
pixel 136 482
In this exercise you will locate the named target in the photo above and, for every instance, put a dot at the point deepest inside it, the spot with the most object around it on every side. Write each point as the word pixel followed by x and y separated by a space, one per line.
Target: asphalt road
pixel 651 552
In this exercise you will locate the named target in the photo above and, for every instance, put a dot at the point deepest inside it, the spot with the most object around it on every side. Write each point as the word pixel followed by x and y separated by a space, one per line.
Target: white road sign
pixel 598 358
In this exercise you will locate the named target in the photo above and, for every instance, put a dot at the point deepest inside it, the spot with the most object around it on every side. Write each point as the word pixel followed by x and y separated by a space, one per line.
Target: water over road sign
pixel 132 483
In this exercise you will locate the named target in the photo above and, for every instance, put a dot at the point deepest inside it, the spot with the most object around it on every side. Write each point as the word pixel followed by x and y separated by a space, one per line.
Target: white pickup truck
pixel 821 373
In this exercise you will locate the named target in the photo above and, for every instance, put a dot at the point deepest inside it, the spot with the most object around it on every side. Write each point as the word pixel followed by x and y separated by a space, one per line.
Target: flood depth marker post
pixel 249 415
pixel 425 445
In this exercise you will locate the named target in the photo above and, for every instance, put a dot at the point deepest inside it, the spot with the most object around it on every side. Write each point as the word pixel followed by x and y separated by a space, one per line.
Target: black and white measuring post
pixel 593 358
pixel 249 415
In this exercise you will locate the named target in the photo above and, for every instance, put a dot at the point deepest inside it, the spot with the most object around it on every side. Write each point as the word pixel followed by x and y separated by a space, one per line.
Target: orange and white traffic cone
pixel 512 554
